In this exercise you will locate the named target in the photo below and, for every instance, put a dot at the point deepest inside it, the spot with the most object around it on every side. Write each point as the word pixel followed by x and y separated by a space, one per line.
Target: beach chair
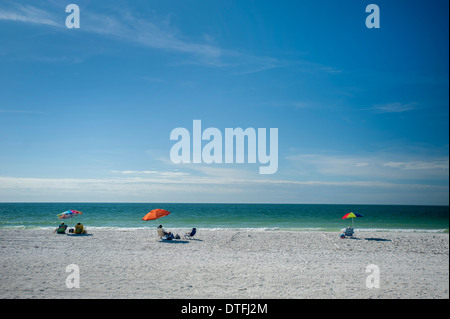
pixel 61 229
pixel 191 234
pixel 79 230
pixel 349 232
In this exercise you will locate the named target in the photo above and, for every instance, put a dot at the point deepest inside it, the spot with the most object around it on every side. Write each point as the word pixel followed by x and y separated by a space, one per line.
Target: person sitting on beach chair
pixel 61 229
pixel 349 232
pixel 79 229
pixel 166 235
pixel 191 234
pixel 161 232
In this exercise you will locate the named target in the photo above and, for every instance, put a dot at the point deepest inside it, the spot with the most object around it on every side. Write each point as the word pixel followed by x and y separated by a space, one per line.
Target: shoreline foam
pixel 250 229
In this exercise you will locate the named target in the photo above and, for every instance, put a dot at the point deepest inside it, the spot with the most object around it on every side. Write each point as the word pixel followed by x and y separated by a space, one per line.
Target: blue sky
pixel 362 114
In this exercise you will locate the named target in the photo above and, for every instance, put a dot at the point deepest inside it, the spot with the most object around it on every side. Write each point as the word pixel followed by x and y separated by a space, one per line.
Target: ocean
pixel 256 217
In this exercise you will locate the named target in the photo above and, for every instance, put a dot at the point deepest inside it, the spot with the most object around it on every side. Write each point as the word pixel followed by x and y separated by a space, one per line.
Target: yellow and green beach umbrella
pixel 352 216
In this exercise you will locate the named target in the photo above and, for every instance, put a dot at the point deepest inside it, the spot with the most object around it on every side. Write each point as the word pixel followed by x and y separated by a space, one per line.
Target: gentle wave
pixel 245 229
pixel 399 230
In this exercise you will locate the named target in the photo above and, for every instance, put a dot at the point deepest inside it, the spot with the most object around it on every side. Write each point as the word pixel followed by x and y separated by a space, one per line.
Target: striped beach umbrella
pixel 69 214
pixel 352 216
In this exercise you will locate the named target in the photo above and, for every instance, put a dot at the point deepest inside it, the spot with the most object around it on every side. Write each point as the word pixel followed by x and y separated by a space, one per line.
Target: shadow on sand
pixel 174 241
pixel 178 241
pixel 377 239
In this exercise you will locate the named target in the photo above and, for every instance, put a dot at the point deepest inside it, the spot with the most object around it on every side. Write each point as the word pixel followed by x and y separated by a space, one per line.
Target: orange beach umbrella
pixel 155 214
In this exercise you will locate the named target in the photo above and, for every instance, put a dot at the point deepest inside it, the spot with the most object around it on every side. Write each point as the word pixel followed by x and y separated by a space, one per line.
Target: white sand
pixel 223 264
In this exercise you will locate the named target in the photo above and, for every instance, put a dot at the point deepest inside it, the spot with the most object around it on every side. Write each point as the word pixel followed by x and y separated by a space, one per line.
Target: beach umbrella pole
pixel 352 216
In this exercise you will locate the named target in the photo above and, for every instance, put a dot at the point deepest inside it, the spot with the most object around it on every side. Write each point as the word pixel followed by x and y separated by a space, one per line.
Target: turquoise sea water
pixel 230 216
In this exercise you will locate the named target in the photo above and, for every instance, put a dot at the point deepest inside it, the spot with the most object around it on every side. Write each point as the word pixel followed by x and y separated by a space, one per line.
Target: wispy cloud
pixel 159 33
pixel 228 183
pixel 152 33
pixel 439 164
pixel 207 189
pixel 164 174
pixel 155 33
pixel 395 107
pixel 370 167
pixel 29 14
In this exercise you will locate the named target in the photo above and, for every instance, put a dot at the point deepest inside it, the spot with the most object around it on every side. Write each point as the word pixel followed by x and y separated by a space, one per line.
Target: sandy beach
pixel 224 264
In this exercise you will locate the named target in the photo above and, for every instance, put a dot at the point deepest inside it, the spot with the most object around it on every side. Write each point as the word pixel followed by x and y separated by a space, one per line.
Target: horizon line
pixel 220 203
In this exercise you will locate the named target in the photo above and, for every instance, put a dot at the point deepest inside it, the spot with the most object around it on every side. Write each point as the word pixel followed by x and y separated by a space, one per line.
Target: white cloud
pixel 215 187
pixel 152 33
pixel 361 164
pixel 159 33
pixel 155 173
pixel 29 14
pixel 370 167
pixel 136 172
pixel 394 107
pixel 439 164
